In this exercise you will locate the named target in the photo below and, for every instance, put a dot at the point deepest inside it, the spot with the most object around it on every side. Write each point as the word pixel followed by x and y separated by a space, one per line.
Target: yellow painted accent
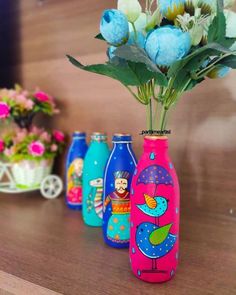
pixel 151 203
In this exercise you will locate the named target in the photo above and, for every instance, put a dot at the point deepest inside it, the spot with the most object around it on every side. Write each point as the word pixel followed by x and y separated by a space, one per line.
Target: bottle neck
pixel 79 140
pixel 155 144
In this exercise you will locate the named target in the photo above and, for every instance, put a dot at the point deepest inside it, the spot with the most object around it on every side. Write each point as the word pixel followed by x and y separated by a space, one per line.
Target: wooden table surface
pixel 46 249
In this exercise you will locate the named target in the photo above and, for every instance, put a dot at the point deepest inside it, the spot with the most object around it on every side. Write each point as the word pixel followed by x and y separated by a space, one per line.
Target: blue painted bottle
pixel 116 196
pixel 94 165
pixel 74 170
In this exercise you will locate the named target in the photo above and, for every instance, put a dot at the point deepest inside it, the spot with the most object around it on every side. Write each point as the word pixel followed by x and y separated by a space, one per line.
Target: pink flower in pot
pixel 42 96
pixel 4 110
pixel 2 146
pixel 36 149
pixel 54 148
pixel 59 136
pixel 9 152
pixel 45 136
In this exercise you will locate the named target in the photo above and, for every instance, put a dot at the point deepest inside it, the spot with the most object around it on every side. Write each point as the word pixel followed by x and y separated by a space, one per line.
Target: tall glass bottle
pixel 74 170
pixel 94 165
pixel 154 232
pixel 116 197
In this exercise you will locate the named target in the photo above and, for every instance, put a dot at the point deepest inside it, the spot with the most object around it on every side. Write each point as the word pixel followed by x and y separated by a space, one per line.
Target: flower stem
pixel 149 115
pixel 135 32
pixel 163 118
pixel 150 112
pixel 134 95
pixel 204 72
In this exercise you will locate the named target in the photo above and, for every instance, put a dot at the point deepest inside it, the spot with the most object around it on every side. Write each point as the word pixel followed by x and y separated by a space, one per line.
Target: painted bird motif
pixel 154 241
pixel 154 207
pixel 95 197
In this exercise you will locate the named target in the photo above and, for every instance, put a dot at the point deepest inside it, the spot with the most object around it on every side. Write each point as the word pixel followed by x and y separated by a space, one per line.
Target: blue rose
pixel 167 44
pixel 171 8
pixel 110 51
pixel 114 27
pixel 219 71
pixel 139 41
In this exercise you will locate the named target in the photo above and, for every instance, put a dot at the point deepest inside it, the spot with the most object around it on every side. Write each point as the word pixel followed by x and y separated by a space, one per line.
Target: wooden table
pixel 46 249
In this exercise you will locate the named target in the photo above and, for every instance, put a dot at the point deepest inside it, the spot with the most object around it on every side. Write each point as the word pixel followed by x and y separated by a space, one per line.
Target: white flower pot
pixel 30 174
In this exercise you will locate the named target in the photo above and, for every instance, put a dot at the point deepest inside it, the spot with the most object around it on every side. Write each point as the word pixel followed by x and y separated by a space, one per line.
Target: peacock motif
pixel 94 201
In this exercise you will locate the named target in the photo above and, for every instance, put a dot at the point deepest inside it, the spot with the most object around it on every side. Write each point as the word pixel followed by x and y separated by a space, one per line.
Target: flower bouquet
pixel 158 52
pixel 21 105
pixel 166 49
pixel 31 152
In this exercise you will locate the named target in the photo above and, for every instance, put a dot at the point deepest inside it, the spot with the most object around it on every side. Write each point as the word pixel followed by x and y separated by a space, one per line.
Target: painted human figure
pixel 75 181
pixel 118 225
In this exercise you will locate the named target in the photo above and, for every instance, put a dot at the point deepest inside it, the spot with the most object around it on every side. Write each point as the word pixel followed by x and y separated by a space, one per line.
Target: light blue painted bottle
pixel 94 165
pixel 74 170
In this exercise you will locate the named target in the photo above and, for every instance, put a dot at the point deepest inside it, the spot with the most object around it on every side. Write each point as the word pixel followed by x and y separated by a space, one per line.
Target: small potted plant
pixel 21 105
pixel 31 153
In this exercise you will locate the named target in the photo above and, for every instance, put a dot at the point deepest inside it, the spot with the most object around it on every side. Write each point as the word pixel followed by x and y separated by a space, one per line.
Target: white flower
pixel 196 34
pixel 131 8
pixel 229 3
pixel 231 26
pixel 154 19
pixel 230 23
pixel 140 23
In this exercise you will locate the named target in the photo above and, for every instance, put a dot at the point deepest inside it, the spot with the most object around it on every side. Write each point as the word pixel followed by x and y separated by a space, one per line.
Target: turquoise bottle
pixel 94 165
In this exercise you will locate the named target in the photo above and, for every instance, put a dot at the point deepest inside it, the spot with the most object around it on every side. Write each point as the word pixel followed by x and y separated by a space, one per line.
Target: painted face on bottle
pixel 121 185
pixel 78 166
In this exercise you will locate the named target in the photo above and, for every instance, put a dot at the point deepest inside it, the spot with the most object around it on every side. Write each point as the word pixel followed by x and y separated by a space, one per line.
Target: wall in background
pixel 203 141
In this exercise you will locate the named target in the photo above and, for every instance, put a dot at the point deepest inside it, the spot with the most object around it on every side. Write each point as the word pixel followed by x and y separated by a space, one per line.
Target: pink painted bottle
pixel 154 219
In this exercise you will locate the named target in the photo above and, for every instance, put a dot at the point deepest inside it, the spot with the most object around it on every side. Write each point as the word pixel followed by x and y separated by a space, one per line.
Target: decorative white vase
pixel 30 174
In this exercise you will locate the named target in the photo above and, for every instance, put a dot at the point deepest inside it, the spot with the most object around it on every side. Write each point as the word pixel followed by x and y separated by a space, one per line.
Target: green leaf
pixel 99 37
pixel 211 49
pixel 136 54
pixel 159 235
pixel 128 73
pixel 194 83
pixel 217 29
pixel 229 61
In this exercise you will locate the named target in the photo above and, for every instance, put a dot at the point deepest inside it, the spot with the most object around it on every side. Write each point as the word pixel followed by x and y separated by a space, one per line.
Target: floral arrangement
pixel 165 49
pixel 33 144
pixel 21 105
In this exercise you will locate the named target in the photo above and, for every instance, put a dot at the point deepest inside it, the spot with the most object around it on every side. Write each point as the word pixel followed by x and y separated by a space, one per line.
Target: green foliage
pixel 229 61
pixel 129 73
pixel 135 54
pixel 217 29
pixel 187 68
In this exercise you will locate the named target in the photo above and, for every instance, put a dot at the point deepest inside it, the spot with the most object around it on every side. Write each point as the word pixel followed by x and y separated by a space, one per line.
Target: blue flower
pixel 219 72
pixel 167 44
pixel 139 40
pixel 171 8
pixel 110 51
pixel 114 27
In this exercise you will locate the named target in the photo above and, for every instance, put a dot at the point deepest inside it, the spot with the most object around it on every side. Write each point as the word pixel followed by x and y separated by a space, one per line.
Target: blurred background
pixel 36 35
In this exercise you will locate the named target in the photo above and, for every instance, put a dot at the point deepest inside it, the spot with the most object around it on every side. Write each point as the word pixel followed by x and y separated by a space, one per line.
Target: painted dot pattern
pixel 155 174
pixel 149 250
